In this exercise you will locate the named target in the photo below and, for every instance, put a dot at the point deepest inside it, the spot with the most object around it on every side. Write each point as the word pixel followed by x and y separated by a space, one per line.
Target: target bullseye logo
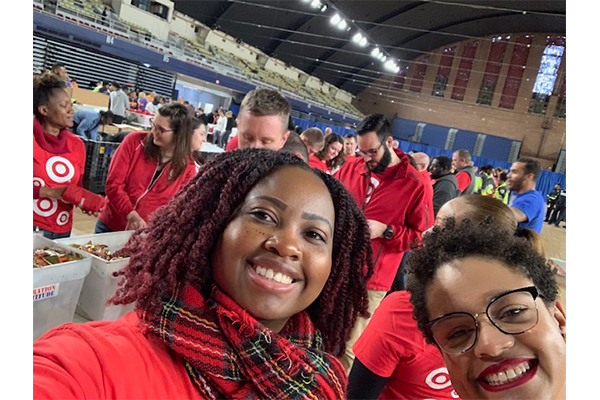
pixel 59 169
pixel 438 379
pixel 45 207
pixel 38 182
pixel 63 218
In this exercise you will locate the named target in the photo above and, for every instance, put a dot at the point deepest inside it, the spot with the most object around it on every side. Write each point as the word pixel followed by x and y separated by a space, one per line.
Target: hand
pixel 52 192
pixel 90 213
pixel 135 222
pixel 377 228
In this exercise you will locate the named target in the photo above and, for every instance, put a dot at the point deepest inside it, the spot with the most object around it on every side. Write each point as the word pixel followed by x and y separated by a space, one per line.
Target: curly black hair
pixel 459 240
pixel 44 86
pixel 178 245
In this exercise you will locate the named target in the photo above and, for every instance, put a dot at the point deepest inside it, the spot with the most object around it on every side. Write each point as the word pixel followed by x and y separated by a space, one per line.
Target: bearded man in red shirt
pixel 393 197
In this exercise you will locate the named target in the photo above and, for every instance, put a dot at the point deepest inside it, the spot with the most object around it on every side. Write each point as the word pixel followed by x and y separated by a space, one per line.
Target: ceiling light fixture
pixel 335 19
pixel 357 38
pixel 343 24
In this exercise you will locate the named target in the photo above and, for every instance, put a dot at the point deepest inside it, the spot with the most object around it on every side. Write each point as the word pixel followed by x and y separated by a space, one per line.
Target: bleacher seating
pixel 92 9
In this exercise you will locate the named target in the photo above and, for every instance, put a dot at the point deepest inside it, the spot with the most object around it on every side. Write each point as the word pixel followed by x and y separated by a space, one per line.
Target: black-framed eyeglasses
pixel 158 128
pixel 371 152
pixel 512 313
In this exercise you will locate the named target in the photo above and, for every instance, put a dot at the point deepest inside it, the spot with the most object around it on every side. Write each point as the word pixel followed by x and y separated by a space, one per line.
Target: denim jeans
pixel 52 235
pixel 101 228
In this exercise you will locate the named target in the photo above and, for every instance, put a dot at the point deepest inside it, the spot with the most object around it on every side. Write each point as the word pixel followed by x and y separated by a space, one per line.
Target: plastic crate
pixel 97 160
pixel 61 285
pixel 100 285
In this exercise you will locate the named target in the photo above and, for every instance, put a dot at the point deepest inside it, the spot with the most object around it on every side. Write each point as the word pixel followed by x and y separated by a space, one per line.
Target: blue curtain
pixel 547 180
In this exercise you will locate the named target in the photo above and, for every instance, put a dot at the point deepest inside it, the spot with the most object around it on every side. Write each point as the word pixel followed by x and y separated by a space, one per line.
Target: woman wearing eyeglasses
pixel 147 170
pixel 488 300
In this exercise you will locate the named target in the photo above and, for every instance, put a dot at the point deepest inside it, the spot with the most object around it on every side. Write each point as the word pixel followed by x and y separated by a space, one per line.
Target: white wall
pixel 227 43
pixel 185 26
pixel 343 96
pixel 279 67
pixel 156 25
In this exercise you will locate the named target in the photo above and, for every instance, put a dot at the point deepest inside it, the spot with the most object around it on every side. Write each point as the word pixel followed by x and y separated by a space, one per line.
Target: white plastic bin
pixel 56 289
pixel 100 285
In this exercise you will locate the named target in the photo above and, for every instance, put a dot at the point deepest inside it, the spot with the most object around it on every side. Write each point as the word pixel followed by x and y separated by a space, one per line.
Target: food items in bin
pixel 99 250
pixel 52 255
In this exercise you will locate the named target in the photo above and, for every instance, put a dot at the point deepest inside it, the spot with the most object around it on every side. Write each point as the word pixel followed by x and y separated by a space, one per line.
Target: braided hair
pixel 178 245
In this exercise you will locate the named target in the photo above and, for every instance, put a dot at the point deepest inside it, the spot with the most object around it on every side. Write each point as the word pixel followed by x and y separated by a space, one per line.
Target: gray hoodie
pixel 444 190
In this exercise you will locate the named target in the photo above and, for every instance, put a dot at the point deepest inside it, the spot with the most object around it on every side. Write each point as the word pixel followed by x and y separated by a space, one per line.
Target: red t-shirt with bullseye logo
pixel 57 161
pixel 392 346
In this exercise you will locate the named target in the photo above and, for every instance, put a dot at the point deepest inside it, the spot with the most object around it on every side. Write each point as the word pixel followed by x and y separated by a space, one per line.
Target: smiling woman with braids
pixel 247 285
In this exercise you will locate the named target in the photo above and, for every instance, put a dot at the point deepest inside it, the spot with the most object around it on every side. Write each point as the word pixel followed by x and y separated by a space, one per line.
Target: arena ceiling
pixel 302 36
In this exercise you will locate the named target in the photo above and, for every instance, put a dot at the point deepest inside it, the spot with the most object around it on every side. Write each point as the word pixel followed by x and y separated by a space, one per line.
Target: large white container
pixel 56 289
pixel 100 285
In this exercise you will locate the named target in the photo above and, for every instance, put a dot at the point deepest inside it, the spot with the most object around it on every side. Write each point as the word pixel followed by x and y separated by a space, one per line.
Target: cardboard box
pixel 83 96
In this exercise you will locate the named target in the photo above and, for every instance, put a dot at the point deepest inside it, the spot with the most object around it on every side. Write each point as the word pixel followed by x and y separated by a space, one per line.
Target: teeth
pixel 508 375
pixel 270 274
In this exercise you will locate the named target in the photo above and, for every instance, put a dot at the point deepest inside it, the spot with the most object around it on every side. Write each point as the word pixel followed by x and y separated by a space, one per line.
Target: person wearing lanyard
pixel 392 195
pixel 147 169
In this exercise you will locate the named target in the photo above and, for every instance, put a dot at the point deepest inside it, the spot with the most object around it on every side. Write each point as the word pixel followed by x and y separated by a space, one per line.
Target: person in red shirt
pixel 392 196
pixel 314 140
pixel 147 169
pixel 463 167
pixel 349 147
pixel 331 157
pixel 245 286
pixel 393 360
pixel 58 161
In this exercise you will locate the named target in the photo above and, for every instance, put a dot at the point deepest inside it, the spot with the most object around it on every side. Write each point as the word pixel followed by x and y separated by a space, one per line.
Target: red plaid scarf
pixel 228 354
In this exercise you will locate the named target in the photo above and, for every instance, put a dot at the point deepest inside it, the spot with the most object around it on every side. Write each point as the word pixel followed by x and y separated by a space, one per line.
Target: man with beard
pixel 392 196
pixel 528 205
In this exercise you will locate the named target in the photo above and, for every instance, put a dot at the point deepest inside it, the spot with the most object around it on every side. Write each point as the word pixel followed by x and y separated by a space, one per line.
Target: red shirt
pixel 426 178
pixel 128 185
pixel 316 162
pixel 392 346
pixel 394 197
pixel 232 144
pixel 463 179
pixel 107 360
pixel 57 161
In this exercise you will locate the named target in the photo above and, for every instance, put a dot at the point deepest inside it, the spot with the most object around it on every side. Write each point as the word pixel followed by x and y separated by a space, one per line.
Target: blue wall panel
pixel 434 135
pixel 496 148
pixel 403 129
pixel 465 140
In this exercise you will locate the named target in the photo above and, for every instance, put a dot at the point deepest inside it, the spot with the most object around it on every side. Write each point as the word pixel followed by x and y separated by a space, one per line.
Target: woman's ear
pixel 561 318
pixel 43 110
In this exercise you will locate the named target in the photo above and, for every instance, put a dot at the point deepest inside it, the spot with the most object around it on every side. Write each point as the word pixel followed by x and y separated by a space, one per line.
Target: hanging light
pixel 375 53
pixel 343 24
pixel 357 38
pixel 315 4
pixel 335 19
pixel 363 42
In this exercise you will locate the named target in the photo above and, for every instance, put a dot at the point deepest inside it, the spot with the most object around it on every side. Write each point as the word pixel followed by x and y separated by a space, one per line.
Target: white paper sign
pixel 45 292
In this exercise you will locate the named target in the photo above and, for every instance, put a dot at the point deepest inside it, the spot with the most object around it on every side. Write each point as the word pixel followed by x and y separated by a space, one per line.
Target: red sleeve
pixel 384 343
pixel 58 372
pixel 118 171
pixel 36 192
pixel 415 223
pixel 233 144
pixel 464 180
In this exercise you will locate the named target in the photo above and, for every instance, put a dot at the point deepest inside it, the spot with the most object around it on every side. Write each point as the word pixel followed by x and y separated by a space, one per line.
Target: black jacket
pixel 444 190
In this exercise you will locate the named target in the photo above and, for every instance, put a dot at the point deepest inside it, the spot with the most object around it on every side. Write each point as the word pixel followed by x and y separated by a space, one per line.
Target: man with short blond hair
pixel 313 139
pixel 263 120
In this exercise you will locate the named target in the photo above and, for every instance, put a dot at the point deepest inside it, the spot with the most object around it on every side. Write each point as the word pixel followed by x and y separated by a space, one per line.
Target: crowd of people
pixel 269 271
